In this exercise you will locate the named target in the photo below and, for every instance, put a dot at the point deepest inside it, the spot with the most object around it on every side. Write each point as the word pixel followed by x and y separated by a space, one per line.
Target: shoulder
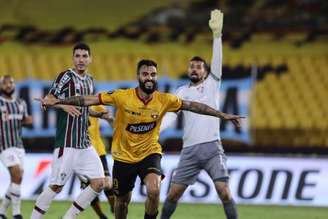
pixel 181 89
pixel 64 76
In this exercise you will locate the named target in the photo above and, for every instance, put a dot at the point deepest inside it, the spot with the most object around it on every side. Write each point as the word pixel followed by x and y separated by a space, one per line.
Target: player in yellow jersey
pixel 98 144
pixel 135 146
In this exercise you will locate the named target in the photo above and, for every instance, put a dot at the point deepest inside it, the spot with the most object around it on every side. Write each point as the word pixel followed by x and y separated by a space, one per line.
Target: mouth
pixel 80 65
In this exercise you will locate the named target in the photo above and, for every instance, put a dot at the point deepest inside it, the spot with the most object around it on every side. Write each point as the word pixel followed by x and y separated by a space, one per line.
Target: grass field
pixel 199 211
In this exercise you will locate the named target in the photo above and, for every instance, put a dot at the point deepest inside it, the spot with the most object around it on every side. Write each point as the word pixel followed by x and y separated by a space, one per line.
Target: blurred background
pixel 275 61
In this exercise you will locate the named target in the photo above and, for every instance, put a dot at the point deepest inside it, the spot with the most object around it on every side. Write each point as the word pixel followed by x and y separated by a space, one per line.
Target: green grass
pixel 199 211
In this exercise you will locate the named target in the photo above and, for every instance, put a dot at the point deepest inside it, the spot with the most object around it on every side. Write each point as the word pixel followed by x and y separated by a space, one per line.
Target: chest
pixel 80 87
pixel 11 110
pixel 199 94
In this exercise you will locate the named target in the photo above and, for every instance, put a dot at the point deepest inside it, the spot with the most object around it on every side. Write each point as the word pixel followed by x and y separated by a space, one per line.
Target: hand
pixel 47 101
pixel 107 115
pixel 235 119
pixel 71 110
pixel 216 22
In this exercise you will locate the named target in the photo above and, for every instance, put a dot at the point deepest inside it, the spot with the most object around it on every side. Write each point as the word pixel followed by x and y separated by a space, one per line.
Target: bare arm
pixel 204 109
pixel 76 101
pixel 106 115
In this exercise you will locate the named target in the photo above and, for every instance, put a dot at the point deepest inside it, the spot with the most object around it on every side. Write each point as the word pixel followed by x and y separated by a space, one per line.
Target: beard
pixel 7 93
pixel 194 78
pixel 145 89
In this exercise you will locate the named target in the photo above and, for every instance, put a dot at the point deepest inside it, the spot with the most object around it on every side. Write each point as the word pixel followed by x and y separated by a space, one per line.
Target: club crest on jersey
pixel 154 115
pixel 141 128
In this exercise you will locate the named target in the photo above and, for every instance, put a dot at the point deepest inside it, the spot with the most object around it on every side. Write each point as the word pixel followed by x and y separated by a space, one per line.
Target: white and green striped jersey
pixel 72 131
pixel 12 113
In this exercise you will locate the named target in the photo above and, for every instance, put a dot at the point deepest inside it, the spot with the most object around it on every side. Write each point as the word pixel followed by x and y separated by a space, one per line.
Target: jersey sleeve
pixel 25 111
pixel 98 108
pixel 174 103
pixel 59 84
pixel 108 98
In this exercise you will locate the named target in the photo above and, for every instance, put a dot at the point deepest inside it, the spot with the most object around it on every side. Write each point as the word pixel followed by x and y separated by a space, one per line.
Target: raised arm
pixel 216 24
pixel 204 109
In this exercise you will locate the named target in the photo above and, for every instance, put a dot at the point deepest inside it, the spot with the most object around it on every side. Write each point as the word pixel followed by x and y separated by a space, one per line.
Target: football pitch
pixel 195 211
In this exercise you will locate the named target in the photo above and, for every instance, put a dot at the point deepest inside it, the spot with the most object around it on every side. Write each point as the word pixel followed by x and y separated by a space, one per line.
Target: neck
pixel 8 97
pixel 144 96
pixel 80 72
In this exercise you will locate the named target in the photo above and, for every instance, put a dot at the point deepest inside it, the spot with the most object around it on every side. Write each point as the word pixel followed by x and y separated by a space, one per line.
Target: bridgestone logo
pixel 141 128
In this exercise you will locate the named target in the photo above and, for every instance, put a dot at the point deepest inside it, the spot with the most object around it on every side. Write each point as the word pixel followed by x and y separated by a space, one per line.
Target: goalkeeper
pixel 202 148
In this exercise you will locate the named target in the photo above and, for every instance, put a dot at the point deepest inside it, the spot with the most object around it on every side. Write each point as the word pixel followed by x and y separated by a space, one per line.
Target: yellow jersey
pixel 137 123
pixel 94 131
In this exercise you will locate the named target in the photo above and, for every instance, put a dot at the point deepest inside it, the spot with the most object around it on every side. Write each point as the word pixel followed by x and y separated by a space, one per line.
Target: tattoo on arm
pixel 200 108
pixel 76 100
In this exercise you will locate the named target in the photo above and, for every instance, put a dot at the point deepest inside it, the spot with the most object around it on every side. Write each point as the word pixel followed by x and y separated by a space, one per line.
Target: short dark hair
pixel 82 46
pixel 146 62
pixel 200 59
pixel 5 77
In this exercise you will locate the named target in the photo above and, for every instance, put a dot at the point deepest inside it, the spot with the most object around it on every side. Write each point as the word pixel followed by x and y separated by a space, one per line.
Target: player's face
pixel 7 86
pixel 147 78
pixel 81 60
pixel 196 71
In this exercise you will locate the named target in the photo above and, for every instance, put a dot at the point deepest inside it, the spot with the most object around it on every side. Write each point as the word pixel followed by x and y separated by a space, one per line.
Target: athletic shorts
pixel 13 156
pixel 207 156
pixel 125 174
pixel 85 163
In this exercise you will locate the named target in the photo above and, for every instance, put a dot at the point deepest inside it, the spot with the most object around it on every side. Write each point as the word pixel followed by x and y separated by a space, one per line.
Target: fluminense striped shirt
pixel 72 131
pixel 12 112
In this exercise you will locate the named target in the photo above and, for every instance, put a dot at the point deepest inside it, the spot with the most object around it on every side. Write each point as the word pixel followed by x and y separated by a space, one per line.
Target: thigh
pixel 124 177
pixel 151 164
pixel 88 163
pixel 216 167
pixel 10 157
pixel 188 168
pixel 62 166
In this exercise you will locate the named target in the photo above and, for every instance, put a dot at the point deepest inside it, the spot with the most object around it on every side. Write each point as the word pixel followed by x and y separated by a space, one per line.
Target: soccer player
pixel 13 113
pixel 94 134
pixel 73 151
pixel 135 146
pixel 202 149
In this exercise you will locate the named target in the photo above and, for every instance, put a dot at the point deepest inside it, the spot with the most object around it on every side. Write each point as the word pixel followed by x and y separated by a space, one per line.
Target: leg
pixel 121 206
pixel 85 198
pixel 44 200
pixel 16 174
pixel 171 201
pixel 109 192
pixel 229 205
pixel 153 184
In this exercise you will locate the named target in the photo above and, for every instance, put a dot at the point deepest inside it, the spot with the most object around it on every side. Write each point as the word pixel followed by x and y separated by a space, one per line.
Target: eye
pixel 153 74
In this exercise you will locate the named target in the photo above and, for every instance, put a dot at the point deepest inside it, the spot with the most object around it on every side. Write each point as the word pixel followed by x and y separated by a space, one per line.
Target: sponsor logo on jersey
pixel 141 128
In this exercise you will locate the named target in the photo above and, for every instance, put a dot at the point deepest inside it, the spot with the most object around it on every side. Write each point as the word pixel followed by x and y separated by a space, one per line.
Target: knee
pixel 153 192
pixel 224 194
pixel 122 202
pixel 173 196
pixel 56 188
pixel 16 174
pixel 97 184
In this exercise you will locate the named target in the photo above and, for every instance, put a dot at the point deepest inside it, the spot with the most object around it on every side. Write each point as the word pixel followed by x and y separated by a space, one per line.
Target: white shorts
pixel 12 157
pixel 83 162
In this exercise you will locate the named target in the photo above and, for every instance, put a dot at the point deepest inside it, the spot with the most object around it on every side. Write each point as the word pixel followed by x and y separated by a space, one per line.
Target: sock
pixel 15 192
pixel 5 202
pixel 81 203
pixel 168 209
pixel 147 216
pixel 111 198
pixel 42 204
pixel 230 209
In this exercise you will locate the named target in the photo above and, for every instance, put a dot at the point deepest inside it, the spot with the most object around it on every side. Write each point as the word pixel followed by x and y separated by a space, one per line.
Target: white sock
pixel 42 204
pixel 5 202
pixel 81 203
pixel 15 192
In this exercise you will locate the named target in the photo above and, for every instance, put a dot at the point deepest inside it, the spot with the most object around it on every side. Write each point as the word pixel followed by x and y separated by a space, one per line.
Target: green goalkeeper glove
pixel 216 22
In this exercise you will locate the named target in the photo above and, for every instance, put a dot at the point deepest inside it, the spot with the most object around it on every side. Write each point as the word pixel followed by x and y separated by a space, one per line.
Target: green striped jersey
pixel 72 131
pixel 12 112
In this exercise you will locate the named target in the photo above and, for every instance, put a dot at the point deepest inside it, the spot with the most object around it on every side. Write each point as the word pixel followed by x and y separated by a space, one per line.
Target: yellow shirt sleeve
pixel 108 98
pixel 174 103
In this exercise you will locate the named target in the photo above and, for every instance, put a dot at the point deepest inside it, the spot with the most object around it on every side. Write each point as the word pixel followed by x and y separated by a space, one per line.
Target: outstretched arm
pixel 204 109
pixel 76 100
